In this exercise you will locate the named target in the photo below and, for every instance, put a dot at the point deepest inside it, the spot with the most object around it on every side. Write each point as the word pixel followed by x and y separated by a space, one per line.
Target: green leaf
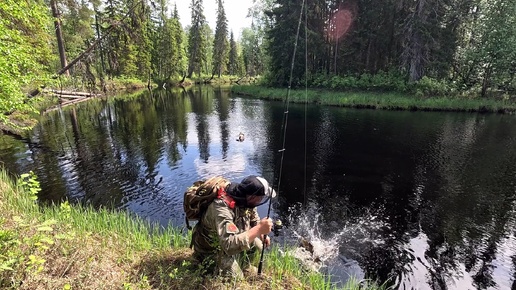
pixel 4 267
pixel 47 240
pixel 49 222
pixel 44 229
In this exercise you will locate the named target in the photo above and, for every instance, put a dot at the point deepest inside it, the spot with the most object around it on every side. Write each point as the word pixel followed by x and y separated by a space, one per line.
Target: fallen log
pixel 73 102
pixel 65 103
pixel 70 93
pixel 238 81
pixel 72 97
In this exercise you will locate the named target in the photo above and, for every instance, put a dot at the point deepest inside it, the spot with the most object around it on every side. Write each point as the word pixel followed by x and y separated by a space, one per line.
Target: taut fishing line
pixel 284 126
pixel 306 105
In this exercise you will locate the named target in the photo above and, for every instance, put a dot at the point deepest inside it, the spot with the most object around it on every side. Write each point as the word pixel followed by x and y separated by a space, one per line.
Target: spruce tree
pixel 281 39
pixel 197 39
pixel 168 48
pixel 220 43
pixel 180 60
pixel 233 56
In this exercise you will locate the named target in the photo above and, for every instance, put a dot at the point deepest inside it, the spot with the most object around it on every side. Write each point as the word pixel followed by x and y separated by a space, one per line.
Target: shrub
pixel 430 87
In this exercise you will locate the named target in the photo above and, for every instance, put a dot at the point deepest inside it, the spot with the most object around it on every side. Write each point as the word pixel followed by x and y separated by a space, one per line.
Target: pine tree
pixel 169 57
pixel 180 60
pixel 78 30
pixel 197 39
pixel 113 12
pixel 129 45
pixel 281 39
pixel 233 56
pixel 220 44
pixel 208 61
pixel 140 40
pixel 59 35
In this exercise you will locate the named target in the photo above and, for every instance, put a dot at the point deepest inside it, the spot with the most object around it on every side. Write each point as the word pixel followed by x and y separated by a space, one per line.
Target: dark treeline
pixel 467 45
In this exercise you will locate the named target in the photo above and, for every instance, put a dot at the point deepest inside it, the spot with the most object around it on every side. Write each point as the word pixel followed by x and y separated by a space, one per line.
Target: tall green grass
pixel 375 100
pixel 140 234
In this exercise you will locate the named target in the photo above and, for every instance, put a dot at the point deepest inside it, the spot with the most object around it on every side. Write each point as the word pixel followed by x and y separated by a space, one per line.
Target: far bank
pixel 379 100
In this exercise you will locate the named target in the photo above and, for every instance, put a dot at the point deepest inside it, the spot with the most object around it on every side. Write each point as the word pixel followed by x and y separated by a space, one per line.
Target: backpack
pixel 198 196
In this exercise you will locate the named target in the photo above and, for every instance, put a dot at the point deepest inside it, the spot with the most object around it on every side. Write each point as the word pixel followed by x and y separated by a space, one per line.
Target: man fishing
pixel 231 230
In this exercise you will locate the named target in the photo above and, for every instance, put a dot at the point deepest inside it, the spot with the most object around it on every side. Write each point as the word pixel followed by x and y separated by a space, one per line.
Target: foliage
pixel 256 38
pixel 487 56
pixel 382 81
pixel 127 82
pixel 24 51
pixel 168 56
pixel 220 43
pixel 234 65
pixel 252 51
pixel 30 183
pixel 470 44
pixel 197 39
pixel 423 47
pixel 127 47
pixel 282 41
pixel 432 87
pixel 77 26
pixel 21 253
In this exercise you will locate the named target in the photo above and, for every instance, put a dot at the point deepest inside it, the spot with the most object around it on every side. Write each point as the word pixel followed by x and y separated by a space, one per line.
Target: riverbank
pixel 74 247
pixel 20 121
pixel 384 101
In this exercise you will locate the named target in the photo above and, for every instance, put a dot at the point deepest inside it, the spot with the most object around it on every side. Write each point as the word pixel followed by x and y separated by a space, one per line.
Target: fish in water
pixel 241 137
pixel 308 246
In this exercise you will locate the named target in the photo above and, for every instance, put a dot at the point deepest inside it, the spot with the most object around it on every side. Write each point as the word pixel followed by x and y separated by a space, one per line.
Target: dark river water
pixel 422 200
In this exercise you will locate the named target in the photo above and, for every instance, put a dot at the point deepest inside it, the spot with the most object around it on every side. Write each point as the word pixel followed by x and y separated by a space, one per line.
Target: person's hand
pixel 266 241
pixel 265 226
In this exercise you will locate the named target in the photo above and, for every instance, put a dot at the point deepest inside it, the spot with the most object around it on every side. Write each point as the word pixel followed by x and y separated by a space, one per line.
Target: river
pixel 422 200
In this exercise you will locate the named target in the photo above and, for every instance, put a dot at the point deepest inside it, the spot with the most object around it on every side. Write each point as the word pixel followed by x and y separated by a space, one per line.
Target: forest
pixel 464 48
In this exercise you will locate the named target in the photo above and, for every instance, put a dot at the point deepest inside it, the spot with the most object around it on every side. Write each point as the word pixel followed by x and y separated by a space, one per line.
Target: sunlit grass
pixel 373 100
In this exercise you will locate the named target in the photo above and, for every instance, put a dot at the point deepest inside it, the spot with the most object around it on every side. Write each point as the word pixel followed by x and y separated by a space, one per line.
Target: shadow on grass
pixel 174 270
pixel 177 269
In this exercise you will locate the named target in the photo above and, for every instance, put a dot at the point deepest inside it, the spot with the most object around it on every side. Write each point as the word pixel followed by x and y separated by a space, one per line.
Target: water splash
pixel 334 244
pixel 314 248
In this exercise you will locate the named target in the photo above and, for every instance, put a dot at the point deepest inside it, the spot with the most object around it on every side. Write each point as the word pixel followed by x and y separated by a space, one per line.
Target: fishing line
pixel 306 105
pixel 284 124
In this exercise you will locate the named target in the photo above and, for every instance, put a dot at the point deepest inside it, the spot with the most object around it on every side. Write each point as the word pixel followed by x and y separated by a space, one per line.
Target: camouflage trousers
pixel 232 266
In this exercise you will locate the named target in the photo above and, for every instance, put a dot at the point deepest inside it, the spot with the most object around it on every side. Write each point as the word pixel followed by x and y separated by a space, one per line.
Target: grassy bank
pixel 386 101
pixel 74 247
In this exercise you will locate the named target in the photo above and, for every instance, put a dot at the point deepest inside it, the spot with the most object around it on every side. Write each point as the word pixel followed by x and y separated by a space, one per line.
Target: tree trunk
pixel 59 35
pixel 415 49
pixel 88 50
pixel 335 56
pixel 191 63
pixel 486 80
pixel 101 50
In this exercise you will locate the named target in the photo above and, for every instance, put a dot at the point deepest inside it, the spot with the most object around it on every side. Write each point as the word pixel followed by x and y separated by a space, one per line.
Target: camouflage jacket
pixel 223 229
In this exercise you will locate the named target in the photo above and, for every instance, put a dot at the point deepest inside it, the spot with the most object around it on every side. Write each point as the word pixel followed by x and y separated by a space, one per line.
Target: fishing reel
pixel 277 227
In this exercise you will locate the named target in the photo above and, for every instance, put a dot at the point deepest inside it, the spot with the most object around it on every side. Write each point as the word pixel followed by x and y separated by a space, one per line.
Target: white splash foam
pixel 326 238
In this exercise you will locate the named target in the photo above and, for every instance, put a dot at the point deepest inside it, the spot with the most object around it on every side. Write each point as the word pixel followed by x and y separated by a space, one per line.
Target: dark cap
pixel 251 191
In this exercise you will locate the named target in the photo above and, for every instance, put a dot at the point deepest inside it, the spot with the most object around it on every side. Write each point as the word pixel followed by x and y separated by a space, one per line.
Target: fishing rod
pixel 284 124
